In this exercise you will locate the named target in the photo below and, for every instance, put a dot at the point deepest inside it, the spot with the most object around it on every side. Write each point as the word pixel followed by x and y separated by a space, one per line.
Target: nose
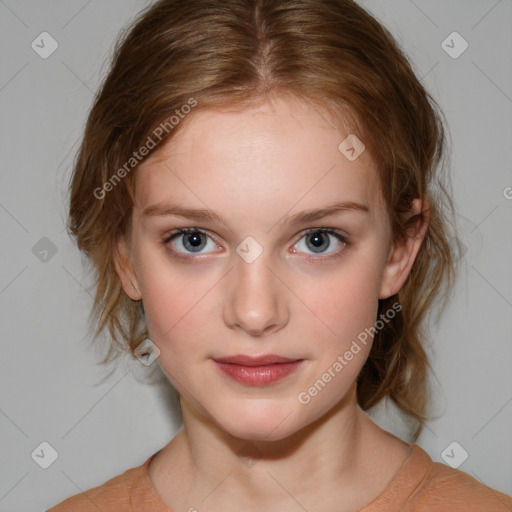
pixel 256 298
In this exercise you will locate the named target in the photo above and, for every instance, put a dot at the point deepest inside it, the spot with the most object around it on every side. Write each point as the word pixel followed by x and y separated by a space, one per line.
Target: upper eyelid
pixel 192 229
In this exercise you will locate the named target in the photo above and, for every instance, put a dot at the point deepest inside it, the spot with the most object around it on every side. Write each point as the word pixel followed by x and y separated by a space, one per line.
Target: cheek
pixel 177 304
pixel 344 302
pixel 176 325
pixel 344 309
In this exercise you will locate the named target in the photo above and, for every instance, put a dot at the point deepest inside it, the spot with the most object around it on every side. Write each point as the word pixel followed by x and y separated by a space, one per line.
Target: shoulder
pixel 115 495
pixel 446 488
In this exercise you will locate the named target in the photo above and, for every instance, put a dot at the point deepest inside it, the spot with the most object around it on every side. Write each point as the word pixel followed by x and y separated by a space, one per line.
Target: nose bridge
pixel 255 301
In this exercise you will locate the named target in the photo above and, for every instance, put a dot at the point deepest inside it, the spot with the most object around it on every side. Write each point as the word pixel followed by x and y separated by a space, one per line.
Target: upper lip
pixel 244 360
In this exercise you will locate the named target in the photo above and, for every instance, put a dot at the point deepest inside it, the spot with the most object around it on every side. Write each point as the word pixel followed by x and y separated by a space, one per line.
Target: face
pixel 256 301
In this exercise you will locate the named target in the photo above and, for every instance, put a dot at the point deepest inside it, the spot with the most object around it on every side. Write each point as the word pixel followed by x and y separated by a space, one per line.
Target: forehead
pixel 278 154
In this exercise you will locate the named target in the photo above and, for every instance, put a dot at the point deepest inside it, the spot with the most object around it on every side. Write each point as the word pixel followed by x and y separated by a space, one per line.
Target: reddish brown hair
pixel 234 53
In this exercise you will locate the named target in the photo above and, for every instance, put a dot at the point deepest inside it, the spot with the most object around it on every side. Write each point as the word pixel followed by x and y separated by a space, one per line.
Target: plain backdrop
pixel 98 423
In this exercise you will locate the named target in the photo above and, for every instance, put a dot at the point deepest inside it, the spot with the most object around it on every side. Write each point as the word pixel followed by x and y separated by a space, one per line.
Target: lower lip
pixel 258 375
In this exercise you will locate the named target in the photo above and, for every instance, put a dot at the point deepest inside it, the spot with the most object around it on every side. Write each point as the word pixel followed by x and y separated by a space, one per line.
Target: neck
pixel 337 455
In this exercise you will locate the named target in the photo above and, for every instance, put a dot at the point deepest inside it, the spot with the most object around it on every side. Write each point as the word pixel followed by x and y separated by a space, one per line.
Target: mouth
pixel 257 371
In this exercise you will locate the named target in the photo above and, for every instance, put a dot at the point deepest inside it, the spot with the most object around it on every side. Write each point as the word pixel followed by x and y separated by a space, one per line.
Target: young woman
pixel 257 189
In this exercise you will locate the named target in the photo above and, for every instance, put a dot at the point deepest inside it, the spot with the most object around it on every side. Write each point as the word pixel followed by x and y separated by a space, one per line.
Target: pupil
pixel 319 241
pixel 196 241
pixel 193 241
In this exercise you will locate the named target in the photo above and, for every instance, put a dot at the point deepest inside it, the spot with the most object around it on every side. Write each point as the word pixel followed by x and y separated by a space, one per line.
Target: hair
pixel 237 53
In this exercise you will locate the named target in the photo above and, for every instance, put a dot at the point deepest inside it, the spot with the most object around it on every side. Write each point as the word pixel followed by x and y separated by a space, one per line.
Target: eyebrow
pixel 204 214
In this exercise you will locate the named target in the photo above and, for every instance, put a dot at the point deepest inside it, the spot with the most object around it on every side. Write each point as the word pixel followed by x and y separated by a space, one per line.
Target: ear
pixel 124 269
pixel 403 254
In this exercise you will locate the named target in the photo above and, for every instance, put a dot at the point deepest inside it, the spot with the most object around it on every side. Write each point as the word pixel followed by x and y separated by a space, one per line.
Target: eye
pixel 318 240
pixel 187 241
pixel 190 240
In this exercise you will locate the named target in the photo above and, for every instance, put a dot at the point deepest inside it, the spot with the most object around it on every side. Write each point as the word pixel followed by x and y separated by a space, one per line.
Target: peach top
pixel 420 485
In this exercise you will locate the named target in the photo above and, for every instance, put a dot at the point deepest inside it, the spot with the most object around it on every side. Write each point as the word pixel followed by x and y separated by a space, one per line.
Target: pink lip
pixel 257 371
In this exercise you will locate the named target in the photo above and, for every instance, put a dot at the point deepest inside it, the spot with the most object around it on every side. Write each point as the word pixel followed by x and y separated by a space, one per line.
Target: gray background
pixel 102 423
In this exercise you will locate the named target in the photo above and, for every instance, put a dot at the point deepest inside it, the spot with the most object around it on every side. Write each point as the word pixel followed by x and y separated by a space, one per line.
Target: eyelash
pixel 185 231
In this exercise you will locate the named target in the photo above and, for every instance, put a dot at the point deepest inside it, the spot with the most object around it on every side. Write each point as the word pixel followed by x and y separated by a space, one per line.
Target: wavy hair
pixel 232 54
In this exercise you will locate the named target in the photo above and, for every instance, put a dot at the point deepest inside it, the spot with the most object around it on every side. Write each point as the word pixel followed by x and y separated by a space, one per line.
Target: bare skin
pixel 255 167
pixel 281 477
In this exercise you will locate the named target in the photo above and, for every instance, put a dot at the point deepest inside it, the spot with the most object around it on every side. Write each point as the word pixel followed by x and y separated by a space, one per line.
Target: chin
pixel 261 432
pixel 259 421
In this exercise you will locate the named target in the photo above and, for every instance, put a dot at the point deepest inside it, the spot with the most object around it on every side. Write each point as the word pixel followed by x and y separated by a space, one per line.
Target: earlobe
pixel 403 254
pixel 124 269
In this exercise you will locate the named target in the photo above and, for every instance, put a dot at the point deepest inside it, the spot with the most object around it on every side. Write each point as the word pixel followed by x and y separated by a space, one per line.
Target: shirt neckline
pixel 404 484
